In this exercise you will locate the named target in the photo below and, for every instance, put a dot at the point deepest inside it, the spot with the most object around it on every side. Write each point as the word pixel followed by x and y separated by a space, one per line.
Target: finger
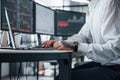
pixel 63 48
pixel 57 44
pixel 45 44
pixel 48 43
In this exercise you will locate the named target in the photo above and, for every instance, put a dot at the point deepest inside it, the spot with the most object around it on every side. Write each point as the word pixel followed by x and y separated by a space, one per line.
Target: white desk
pixel 63 57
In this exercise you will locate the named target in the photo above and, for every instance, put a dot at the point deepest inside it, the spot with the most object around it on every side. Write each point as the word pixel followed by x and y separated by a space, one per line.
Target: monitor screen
pixel 20 14
pixel 26 16
pixel 44 19
pixel 10 5
pixel 68 22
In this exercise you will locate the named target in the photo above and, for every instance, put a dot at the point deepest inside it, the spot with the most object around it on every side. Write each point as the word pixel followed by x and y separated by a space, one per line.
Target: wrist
pixel 75 48
pixel 72 45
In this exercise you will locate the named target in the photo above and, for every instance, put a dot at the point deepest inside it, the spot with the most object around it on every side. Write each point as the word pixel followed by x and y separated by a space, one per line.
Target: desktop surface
pixel 31 48
pixel 11 55
pixel 9 50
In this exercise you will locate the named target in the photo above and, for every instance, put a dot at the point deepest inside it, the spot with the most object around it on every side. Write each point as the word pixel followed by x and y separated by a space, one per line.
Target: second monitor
pixel 43 19
pixel 68 23
pixel 57 22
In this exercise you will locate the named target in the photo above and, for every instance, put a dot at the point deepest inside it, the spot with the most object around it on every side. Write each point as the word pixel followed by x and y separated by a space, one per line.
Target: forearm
pixel 100 53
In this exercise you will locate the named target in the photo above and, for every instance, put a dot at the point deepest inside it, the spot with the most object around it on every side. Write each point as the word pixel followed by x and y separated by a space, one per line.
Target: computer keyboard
pixel 43 49
pixel 29 48
pixel 35 48
pixel 6 48
pixel 40 47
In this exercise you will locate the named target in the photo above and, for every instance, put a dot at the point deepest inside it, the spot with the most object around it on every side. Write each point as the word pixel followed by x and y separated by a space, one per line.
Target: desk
pixel 63 57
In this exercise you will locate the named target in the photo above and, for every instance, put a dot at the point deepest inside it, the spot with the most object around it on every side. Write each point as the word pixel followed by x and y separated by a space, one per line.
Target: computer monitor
pixel 57 22
pixel 68 22
pixel 44 19
pixel 20 15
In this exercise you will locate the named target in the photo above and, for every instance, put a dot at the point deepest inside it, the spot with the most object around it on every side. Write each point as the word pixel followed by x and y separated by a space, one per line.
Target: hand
pixel 49 43
pixel 58 45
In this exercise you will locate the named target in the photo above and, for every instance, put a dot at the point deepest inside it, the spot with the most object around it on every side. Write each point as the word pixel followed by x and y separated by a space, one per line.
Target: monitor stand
pixel 39 39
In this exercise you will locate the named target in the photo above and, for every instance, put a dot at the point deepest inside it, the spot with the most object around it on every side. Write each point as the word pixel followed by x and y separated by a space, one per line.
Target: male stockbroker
pixel 99 40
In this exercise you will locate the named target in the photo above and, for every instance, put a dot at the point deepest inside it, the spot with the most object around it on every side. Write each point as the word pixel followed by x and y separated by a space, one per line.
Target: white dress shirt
pixel 99 38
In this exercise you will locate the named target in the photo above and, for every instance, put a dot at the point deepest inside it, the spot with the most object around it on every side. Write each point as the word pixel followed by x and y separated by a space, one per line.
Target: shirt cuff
pixel 83 47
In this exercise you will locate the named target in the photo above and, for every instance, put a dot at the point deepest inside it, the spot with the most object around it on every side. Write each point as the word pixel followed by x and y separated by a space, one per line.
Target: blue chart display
pixel 20 13
pixel 69 22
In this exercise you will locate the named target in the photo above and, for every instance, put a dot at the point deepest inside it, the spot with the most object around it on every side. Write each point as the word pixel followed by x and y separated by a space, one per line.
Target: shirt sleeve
pixel 110 32
pixel 82 36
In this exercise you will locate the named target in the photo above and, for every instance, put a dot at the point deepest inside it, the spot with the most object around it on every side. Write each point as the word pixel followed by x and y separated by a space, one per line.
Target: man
pixel 99 40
